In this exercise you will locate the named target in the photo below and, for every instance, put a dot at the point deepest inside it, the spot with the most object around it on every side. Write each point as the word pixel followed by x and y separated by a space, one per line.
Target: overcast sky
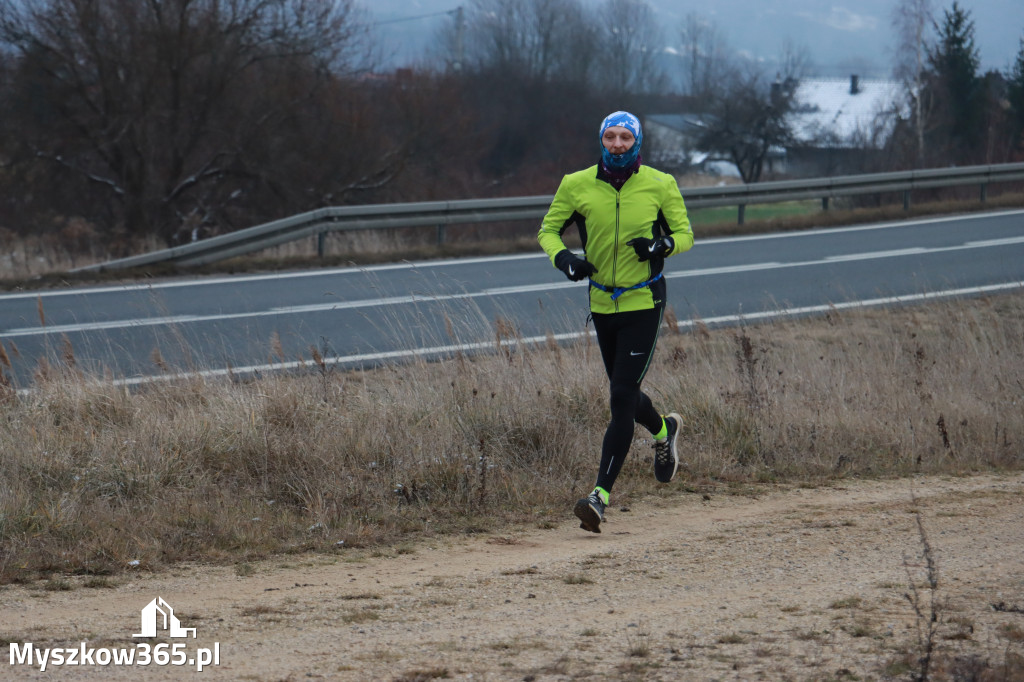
pixel 841 36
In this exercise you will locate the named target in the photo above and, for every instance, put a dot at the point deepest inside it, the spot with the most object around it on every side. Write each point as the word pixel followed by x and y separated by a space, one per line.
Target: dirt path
pixel 791 584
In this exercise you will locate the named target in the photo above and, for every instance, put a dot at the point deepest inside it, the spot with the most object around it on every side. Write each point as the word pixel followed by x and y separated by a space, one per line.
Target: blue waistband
pixel 619 291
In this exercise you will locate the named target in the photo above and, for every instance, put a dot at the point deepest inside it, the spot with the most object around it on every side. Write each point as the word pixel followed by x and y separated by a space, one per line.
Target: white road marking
pixel 493 292
pixel 370 358
pixel 410 265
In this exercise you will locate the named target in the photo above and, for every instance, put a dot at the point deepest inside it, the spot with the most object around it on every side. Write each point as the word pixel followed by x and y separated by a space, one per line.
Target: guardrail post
pixel 824 203
pixel 440 234
pixel 984 192
pixel 742 212
pixel 906 200
pixel 321 239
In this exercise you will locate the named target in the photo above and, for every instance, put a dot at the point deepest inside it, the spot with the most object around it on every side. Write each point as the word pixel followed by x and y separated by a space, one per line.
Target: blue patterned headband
pixel 624 119
pixel 630 123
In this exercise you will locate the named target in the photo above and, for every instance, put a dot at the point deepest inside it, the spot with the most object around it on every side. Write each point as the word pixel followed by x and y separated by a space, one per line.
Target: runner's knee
pixel 624 399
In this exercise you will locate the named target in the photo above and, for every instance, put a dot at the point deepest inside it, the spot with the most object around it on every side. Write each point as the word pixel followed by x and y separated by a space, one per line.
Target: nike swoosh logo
pixel 634 353
pixel 571 271
pixel 652 247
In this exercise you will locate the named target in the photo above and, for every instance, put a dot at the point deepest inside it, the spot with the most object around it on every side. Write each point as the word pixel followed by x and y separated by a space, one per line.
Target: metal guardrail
pixel 437 214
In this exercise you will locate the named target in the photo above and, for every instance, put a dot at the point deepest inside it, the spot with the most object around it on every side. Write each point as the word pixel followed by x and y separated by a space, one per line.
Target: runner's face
pixel 618 140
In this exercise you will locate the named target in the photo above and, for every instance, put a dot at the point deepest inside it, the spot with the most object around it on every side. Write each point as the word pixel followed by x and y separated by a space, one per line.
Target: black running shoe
pixel 666 459
pixel 590 511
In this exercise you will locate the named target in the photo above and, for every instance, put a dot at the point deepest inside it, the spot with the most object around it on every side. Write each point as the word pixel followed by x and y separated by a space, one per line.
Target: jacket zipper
pixel 615 249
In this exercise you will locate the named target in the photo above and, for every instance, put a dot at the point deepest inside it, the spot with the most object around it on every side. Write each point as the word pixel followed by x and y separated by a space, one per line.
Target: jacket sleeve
pixel 677 223
pixel 560 215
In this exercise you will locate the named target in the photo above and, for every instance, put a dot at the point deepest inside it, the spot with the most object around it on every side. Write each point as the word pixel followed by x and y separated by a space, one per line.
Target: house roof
pixel 683 123
pixel 841 110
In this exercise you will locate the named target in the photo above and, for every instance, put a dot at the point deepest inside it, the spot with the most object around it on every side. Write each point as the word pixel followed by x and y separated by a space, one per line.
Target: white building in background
pixel 840 126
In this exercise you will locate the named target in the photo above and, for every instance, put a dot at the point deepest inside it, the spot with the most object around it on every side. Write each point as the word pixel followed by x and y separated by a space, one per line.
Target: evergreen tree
pixel 1015 95
pixel 956 87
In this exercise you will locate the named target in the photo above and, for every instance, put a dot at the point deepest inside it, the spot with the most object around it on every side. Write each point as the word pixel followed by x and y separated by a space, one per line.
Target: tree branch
pixel 92 177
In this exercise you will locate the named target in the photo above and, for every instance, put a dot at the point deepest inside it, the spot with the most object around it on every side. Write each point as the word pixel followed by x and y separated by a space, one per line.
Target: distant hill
pixel 842 37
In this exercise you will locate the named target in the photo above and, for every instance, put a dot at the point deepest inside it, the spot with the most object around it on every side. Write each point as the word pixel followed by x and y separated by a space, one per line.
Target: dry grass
pixel 98 480
pixel 74 244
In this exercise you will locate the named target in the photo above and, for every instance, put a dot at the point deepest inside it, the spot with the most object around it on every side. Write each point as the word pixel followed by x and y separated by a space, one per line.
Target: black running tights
pixel 627 342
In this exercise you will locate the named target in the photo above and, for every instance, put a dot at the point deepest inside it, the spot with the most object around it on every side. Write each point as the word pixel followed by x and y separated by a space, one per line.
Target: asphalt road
pixel 363 316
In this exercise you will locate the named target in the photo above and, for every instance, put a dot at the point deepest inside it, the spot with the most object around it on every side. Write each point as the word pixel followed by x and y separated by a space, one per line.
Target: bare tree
pixel 749 117
pixel 615 49
pixel 631 40
pixel 165 106
pixel 580 62
pixel 528 78
pixel 541 40
pixel 704 55
pixel 912 21
pixel 794 62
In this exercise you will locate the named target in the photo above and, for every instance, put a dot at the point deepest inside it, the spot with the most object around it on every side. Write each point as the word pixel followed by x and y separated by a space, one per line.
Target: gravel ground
pixel 774 583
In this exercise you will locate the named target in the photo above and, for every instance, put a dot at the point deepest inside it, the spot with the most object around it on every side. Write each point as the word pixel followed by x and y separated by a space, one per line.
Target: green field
pixel 728 214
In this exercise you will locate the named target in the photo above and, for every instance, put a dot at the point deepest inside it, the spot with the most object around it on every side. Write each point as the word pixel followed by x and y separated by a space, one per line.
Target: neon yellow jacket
pixel 648 205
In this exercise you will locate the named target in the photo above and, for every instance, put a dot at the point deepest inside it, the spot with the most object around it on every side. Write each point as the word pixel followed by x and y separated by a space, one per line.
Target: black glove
pixel 647 249
pixel 574 267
